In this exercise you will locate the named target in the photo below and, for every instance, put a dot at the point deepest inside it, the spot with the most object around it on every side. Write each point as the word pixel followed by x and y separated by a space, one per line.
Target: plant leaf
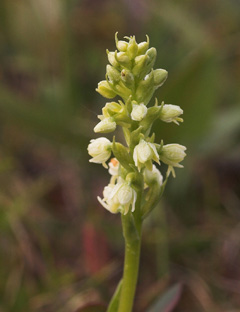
pixel 113 305
pixel 122 155
pixel 168 300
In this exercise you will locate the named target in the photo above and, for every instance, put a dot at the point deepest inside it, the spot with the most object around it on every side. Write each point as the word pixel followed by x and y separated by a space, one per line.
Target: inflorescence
pixel 130 75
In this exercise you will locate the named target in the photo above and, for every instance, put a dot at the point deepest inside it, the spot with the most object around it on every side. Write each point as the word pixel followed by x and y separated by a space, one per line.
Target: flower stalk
pixel 136 184
pixel 131 266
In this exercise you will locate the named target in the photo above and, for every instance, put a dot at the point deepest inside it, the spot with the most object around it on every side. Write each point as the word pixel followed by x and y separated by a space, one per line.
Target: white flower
pixel 119 197
pixel 172 155
pixel 143 154
pixel 100 150
pixel 152 176
pixel 171 113
pixel 106 125
pixel 138 112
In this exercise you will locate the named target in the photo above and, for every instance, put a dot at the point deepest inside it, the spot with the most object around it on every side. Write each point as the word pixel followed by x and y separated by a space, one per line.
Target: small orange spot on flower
pixel 114 162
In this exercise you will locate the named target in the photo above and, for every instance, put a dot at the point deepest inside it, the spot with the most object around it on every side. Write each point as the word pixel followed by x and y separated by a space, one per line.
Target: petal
pixel 115 190
pixel 100 158
pixel 125 194
pixel 135 156
pixel 155 156
pixel 101 201
pixel 144 152
pixel 126 208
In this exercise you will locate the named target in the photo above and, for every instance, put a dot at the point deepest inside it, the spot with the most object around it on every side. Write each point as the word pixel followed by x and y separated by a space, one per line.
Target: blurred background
pixel 59 249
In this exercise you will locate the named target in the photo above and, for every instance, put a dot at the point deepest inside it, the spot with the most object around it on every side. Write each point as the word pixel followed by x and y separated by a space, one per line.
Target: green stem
pixel 131 262
pixel 131 224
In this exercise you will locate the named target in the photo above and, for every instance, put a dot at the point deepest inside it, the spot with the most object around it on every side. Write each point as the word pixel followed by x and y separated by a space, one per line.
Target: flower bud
pixel 143 46
pixel 105 126
pixel 100 150
pixel 121 45
pixel 152 53
pixel 127 77
pixel 160 75
pixel 105 90
pixel 151 57
pixel 117 111
pixel 111 109
pixel 140 62
pixel 145 89
pixel 132 49
pixel 153 176
pixel 171 113
pixel 122 90
pixel 113 74
pixel 173 154
pixel 139 111
pixel 122 58
pixel 143 154
pixel 112 60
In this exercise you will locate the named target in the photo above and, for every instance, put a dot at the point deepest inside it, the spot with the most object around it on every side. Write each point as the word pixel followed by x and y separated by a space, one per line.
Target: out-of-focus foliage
pixel 60 251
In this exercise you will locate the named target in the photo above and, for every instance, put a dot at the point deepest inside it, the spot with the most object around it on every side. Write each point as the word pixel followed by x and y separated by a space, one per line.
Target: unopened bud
pixel 152 53
pixel 140 62
pixel 145 89
pixel 127 77
pixel 105 126
pixel 105 90
pixel 111 58
pixel 120 44
pixel 173 154
pixel 139 111
pixel 122 90
pixel 117 111
pixel 143 46
pixel 150 60
pixel 111 108
pixel 122 58
pixel 132 49
pixel 171 113
pixel 113 74
pixel 160 75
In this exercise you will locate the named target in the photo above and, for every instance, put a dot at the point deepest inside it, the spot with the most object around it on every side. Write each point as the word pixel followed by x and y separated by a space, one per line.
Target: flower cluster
pixel 130 76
